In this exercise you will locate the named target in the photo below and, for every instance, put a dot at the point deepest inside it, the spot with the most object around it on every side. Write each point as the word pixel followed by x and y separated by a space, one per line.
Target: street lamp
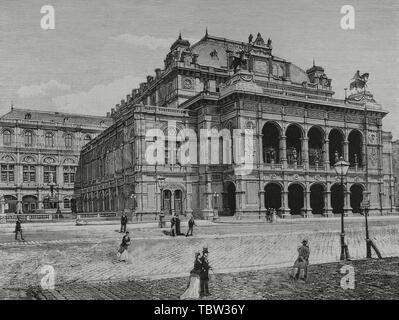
pixel 133 197
pixel 161 182
pixel 341 168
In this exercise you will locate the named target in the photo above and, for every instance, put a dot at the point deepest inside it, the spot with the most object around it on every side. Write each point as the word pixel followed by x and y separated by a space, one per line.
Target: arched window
pixel 68 141
pixel 7 137
pixel 87 138
pixel 28 116
pixel 28 138
pixel 49 140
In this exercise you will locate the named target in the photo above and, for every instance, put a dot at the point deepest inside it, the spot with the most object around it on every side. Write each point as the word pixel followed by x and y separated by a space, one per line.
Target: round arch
pixel 294 134
pixel 296 193
pixel 317 191
pixel 355 141
pixel 316 142
pixel 273 192
pixel 336 145
pixel 356 197
pixel 271 134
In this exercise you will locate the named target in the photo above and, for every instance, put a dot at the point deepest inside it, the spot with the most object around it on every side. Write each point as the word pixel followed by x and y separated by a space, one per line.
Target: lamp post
pixel 365 205
pixel 133 197
pixel 341 168
pixel 161 181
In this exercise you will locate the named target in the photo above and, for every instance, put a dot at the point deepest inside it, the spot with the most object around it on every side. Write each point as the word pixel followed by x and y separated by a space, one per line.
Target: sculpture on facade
pixel 359 81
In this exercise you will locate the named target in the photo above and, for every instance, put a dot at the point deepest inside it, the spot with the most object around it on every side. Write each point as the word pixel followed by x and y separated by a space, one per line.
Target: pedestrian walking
pixel 122 252
pixel 193 288
pixel 204 274
pixel 178 230
pixel 300 269
pixel 123 222
pixel 18 229
pixel 191 224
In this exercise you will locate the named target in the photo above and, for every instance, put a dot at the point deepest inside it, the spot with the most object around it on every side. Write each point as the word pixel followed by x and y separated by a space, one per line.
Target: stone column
pixel 260 148
pixel 326 154
pixel 286 209
pixel 283 151
pixel 308 208
pixel 327 203
pixel 346 150
pixel 305 152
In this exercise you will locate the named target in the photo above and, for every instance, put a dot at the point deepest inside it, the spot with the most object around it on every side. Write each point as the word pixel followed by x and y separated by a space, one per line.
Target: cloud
pixel 147 41
pixel 99 99
pixel 41 89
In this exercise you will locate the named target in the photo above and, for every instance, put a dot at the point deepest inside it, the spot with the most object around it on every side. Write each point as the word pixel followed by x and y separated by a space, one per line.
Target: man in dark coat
pixel 191 224
pixel 123 247
pixel 18 229
pixel 172 226
pixel 204 274
pixel 123 223
pixel 178 231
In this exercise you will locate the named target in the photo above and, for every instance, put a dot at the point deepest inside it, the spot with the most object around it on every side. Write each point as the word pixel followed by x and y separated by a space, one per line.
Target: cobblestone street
pixel 249 260
pixel 374 279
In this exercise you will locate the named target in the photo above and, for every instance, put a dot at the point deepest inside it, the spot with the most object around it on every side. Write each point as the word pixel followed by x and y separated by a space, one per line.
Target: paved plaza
pixel 250 260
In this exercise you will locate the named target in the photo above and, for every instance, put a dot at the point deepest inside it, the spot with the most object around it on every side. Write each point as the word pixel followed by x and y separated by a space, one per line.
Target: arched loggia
pixel 316 141
pixel 355 140
pixel 294 144
pixel 336 145
pixel 295 198
pixel 271 143
pixel 273 195
pixel 356 197
pixel 317 198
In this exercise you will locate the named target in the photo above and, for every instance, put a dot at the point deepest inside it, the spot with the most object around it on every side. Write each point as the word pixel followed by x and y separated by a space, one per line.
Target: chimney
pixel 117 107
pixel 149 79
pixel 158 73
pixel 127 98
pixel 108 114
pixel 142 86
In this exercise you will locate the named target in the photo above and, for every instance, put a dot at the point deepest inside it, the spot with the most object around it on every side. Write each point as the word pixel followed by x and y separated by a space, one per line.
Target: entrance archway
pixel 178 202
pixel 271 143
pixel 317 198
pixel 294 144
pixel 29 204
pixel 355 141
pixel 295 198
pixel 229 199
pixel 356 197
pixel 273 195
pixel 335 144
pixel 337 198
pixel 167 199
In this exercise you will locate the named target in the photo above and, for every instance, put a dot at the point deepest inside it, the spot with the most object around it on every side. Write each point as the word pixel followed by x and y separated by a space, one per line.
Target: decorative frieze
pixel 294 111
pixel 336 116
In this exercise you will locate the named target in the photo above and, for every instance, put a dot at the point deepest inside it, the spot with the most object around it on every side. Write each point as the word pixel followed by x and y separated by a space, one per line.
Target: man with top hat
pixel 204 273
pixel 18 229
pixel 302 262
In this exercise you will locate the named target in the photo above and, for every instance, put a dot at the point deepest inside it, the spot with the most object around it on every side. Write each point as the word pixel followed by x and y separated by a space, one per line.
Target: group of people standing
pixel 198 285
pixel 175 226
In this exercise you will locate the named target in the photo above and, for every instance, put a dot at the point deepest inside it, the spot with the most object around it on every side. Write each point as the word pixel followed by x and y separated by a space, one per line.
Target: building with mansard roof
pixel 299 132
pixel 39 154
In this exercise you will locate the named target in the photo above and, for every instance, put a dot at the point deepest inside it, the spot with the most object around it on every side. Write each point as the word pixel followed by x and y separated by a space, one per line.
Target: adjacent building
pixel 300 132
pixel 39 154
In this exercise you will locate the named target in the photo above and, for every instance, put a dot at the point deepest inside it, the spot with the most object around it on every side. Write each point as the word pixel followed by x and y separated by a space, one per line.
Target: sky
pixel 100 50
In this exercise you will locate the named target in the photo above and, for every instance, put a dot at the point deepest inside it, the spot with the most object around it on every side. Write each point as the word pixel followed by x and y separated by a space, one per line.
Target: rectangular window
pixel 49 174
pixel 7 172
pixel 29 174
pixel 69 174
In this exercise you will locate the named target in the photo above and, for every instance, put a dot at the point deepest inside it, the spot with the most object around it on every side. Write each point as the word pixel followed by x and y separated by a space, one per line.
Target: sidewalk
pixel 299 219
pixel 70 225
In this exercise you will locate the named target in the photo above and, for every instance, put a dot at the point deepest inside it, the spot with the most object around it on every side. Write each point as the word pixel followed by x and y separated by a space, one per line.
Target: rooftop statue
pixel 359 81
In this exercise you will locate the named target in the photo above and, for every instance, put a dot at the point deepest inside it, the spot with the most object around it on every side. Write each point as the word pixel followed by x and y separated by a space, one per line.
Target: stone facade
pixel 39 151
pixel 300 132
